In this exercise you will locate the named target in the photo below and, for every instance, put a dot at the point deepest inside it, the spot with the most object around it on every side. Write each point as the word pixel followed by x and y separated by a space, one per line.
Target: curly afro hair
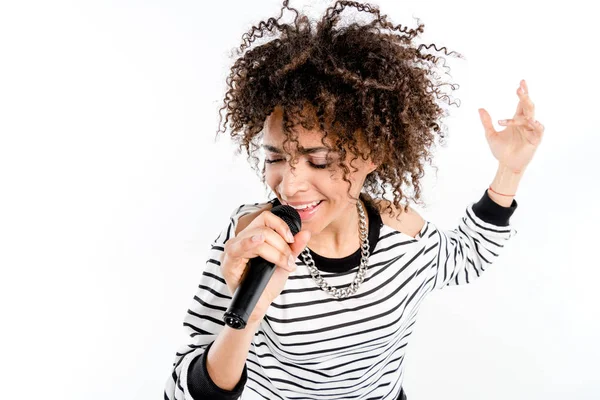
pixel 367 89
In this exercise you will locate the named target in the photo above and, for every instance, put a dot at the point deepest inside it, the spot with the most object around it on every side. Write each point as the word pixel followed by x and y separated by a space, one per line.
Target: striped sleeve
pixel 203 322
pixel 465 252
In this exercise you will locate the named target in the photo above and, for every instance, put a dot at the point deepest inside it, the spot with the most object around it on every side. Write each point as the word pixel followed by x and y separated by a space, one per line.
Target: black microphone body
pixel 258 275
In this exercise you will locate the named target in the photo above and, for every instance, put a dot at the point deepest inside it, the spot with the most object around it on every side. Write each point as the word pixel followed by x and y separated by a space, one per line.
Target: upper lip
pixel 298 203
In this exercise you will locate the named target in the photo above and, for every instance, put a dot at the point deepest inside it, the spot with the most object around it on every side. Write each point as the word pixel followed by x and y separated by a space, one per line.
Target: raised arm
pixel 465 252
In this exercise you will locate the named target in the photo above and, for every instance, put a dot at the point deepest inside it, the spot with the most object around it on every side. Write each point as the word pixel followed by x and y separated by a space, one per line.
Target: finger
pixel 267 218
pixel 538 128
pixel 535 127
pixel 525 106
pixel 486 120
pixel 519 121
pixel 256 239
pixel 301 240
pixel 534 132
pixel 273 248
pixel 241 248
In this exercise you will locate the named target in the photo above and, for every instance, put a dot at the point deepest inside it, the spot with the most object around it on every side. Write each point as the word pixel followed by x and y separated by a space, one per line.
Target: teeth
pixel 314 203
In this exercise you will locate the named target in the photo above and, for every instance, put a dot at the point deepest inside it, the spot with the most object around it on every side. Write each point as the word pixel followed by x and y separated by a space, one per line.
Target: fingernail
pixel 292 262
pixel 290 237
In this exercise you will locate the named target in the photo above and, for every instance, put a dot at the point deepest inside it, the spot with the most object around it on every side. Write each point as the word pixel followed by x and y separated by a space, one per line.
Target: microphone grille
pixel 290 216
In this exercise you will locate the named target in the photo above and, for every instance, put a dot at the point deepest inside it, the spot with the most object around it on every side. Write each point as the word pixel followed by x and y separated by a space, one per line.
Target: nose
pixel 293 181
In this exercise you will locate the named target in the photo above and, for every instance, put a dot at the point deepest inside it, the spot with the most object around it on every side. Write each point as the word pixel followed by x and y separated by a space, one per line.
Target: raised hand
pixel 515 145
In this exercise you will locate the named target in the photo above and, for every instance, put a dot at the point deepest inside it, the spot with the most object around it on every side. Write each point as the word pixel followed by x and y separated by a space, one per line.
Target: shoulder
pixel 409 222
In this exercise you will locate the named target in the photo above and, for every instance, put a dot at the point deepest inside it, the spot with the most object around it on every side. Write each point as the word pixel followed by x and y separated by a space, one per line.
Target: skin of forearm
pixel 227 356
pixel 505 182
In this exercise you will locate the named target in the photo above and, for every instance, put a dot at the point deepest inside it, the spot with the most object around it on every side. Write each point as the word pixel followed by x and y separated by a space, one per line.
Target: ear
pixel 372 167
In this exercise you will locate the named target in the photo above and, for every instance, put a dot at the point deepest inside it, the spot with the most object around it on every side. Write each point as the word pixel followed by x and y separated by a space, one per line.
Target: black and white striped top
pixel 313 346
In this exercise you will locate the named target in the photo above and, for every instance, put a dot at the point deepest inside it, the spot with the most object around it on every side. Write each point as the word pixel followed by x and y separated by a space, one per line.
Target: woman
pixel 345 115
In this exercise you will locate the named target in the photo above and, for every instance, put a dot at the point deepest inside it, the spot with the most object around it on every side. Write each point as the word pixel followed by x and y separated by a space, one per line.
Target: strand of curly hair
pixel 365 87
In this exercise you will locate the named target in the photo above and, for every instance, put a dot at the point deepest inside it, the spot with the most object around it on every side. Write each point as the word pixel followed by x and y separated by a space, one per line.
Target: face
pixel 312 180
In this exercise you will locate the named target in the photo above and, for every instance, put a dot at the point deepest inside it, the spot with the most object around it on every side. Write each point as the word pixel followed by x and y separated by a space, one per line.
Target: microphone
pixel 257 276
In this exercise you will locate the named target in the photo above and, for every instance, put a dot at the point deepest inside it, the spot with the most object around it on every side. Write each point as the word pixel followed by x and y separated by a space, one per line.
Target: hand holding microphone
pixel 256 271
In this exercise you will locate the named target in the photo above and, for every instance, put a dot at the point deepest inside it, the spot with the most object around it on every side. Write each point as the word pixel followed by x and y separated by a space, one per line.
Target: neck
pixel 340 238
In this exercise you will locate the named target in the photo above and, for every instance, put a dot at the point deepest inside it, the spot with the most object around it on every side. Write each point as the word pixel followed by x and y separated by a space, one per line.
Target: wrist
pixel 504 186
pixel 253 325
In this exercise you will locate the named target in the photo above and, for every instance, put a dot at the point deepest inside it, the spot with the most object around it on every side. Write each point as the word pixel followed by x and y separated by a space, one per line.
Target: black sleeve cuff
pixel 492 212
pixel 202 387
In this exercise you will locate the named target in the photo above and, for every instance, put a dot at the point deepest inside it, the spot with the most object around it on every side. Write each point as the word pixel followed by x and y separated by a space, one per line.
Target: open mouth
pixel 308 212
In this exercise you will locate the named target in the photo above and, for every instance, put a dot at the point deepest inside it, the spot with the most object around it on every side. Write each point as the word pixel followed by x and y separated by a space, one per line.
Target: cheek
pixel 270 175
pixel 272 179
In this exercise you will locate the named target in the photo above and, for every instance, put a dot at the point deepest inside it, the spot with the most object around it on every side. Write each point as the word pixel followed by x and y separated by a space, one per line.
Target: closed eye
pixel 317 166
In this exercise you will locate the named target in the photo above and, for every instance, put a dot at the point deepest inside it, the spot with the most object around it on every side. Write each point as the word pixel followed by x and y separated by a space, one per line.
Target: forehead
pixel 310 140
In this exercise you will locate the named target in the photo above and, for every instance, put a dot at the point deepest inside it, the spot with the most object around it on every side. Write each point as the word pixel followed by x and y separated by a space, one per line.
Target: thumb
pixel 300 240
pixel 486 121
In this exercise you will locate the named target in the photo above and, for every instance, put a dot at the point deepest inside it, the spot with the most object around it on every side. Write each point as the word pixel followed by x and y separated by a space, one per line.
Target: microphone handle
pixel 248 292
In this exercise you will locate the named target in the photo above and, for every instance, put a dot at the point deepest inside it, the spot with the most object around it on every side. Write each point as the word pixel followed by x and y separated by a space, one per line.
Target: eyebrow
pixel 307 150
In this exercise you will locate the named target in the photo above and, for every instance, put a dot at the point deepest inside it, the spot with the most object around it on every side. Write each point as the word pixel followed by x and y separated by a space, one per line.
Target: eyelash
pixel 317 166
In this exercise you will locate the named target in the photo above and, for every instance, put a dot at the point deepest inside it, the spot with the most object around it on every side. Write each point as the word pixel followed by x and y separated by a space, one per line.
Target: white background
pixel 112 189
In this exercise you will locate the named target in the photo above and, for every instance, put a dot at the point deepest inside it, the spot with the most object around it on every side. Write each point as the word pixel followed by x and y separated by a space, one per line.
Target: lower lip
pixel 306 215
